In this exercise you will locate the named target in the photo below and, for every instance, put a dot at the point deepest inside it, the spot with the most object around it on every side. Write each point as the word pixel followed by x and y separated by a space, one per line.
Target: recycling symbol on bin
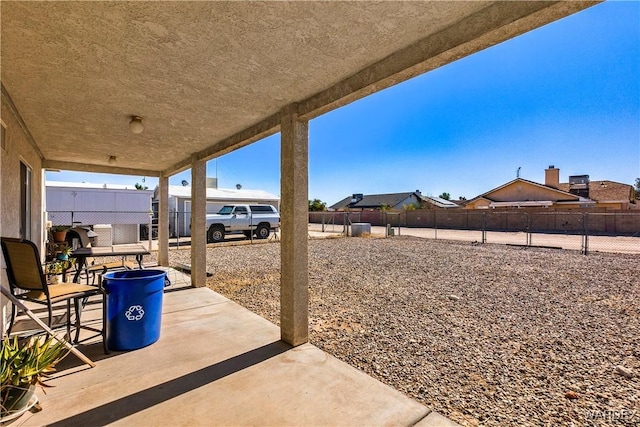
pixel 135 312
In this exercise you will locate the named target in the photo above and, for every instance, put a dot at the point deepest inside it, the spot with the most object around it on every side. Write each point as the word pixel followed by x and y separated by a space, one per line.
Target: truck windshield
pixel 226 210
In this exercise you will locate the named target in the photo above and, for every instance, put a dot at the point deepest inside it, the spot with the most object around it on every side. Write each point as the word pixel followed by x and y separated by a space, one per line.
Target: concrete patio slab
pixel 216 363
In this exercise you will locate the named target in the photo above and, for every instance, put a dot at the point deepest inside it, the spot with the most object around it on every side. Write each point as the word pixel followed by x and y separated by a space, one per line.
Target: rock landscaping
pixel 484 334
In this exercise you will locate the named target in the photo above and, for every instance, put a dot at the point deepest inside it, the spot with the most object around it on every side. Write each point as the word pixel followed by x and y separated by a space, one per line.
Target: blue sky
pixel 567 94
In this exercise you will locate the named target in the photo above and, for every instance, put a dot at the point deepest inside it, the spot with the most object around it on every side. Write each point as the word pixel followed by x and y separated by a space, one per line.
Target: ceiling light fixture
pixel 112 159
pixel 135 125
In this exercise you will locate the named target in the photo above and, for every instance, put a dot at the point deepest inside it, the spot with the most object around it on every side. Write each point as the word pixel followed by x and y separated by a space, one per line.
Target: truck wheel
pixel 262 232
pixel 215 234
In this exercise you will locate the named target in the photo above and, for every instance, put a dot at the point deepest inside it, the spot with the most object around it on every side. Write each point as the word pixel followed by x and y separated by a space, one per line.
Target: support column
pixel 163 221
pixel 294 216
pixel 198 223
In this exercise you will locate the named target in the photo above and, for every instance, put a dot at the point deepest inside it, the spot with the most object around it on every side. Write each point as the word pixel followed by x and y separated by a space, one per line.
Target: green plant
pixel 25 364
pixel 57 228
pixel 64 253
pixel 58 266
pixel 317 205
pixel 29 361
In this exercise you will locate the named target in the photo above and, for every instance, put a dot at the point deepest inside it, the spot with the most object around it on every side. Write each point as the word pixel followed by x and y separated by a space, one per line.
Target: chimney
pixel 552 177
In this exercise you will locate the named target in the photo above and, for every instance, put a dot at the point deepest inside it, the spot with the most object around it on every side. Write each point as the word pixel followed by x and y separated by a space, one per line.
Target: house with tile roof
pixel 391 202
pixel 609 194
pixel 579 192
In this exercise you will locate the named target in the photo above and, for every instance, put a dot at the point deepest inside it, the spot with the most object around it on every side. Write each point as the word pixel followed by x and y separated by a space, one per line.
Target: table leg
pixel 81 261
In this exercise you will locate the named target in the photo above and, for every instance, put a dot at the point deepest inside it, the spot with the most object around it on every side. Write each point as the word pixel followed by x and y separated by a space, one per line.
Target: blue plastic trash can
pixel 134 308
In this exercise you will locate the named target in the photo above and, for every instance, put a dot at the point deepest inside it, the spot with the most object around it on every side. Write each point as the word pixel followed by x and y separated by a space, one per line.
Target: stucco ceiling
pixel 208 77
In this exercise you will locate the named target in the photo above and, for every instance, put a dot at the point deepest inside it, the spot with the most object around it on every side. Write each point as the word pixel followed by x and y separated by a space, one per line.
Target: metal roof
pixel 440 202
pixel 224 193
pixel 92 185
pixel 374 200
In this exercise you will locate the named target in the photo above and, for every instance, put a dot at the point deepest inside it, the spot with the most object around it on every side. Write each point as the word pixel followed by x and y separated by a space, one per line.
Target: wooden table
pixel 122 251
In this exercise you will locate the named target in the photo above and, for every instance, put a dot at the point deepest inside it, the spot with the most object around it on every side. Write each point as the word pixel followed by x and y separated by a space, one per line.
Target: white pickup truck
pixel 246 219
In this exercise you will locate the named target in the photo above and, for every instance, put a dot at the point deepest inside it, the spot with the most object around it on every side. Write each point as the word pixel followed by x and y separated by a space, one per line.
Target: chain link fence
pixel 120 227
pixel 108 227
pixel 573 230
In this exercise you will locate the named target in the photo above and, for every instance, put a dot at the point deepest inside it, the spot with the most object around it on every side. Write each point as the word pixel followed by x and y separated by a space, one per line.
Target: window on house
pixel 25 201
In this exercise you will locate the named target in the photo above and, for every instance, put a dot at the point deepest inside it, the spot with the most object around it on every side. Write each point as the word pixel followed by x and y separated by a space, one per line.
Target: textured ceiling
pixel 201 72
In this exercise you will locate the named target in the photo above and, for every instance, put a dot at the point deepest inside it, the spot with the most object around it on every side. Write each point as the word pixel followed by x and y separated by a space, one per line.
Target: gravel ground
pixel 483 334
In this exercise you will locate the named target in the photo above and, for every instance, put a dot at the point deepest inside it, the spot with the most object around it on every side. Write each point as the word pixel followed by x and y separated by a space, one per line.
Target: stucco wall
pixel 538 220
pixel 522 191
pixel 411 200
pixel 478 204
pixel 17 149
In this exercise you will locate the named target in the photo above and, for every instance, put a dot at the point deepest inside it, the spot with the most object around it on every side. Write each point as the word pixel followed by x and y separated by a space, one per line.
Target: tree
pixel 317 205
pixel 445 196
pixel 637 189
pixel 142 186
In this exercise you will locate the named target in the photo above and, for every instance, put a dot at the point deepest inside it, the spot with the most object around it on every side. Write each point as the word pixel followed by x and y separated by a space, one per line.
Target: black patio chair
pixel 28 282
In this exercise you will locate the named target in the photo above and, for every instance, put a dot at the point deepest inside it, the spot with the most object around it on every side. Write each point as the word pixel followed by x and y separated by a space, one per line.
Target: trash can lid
pixel 134 274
